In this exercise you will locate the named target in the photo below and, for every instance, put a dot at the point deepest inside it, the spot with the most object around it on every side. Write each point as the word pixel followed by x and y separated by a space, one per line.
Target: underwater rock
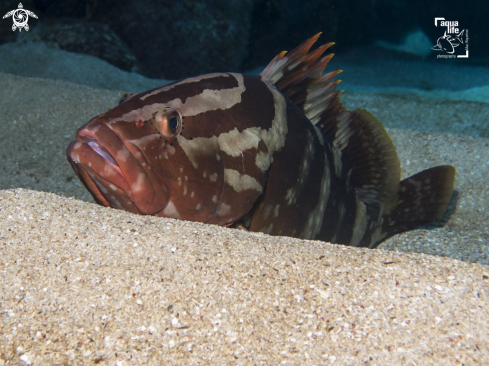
pixel 169 39
pixel 177 39
pixel 81 36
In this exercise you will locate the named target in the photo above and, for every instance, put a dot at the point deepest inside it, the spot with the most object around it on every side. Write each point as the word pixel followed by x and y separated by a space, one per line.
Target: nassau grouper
pixel 275 153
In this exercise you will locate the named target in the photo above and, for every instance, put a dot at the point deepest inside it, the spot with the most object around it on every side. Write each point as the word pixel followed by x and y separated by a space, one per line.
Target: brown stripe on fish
pixel 274 215
pixel 174 84
pixel 183 90
pixel 340 211
pixel 255 109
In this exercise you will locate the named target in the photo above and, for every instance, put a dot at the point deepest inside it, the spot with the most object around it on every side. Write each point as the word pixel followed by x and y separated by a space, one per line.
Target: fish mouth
pixel 102 151
pixel 108 167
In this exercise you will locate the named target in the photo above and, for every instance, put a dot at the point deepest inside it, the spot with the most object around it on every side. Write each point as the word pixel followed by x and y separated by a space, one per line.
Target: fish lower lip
pixel 102 151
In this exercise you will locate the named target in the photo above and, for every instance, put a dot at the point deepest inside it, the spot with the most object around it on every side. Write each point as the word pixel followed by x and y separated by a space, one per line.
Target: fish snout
pixel 114 177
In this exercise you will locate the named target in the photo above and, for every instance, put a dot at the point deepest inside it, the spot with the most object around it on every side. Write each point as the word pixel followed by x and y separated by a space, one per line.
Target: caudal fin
pixel 422 199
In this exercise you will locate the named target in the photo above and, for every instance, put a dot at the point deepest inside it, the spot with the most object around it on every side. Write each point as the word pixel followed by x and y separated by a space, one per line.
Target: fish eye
pixel 168 121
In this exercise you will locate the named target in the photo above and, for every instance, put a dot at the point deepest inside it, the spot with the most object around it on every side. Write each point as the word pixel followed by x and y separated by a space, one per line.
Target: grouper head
pixel 189 150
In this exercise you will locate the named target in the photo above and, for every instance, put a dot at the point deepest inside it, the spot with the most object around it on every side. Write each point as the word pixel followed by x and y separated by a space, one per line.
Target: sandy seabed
pixel 80 283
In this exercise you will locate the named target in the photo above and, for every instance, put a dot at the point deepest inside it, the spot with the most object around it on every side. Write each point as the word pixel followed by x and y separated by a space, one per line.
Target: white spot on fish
pixel 338 165
pixel 214 199
pixel 213 177
pixel 360 224
pixel 138 185
pixel 308 155
pixel 315 217
pixel 266 212
pixel 224 209
pixel 290 196
pixel 262 160
pixel 115 203
pixel 113 187
pixel 102 188
pixel 171 211
pixel 275 211
pixel 241 182
pixel 198 207
pixel 198 148
pixel 267 229
pixel 377 236
pixel 95 129
pixel 122 155
pixel 170 149
pixel 144 141
pixel 234 142
pixel 343 132
pixel 192 194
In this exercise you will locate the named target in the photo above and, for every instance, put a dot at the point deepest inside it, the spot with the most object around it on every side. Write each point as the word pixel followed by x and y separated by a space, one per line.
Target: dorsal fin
pixel 366 151
pixel 299 76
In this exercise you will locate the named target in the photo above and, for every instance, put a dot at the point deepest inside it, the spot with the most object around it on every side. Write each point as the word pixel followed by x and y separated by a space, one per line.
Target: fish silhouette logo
pixel 448 43
pixel 20 17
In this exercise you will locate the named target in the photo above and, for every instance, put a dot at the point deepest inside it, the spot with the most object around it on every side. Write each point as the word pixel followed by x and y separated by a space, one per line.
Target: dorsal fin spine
pixel 311 71
pixel 304 48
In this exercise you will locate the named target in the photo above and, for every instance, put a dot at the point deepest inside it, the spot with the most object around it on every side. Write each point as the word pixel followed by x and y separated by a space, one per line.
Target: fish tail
pixel 422 199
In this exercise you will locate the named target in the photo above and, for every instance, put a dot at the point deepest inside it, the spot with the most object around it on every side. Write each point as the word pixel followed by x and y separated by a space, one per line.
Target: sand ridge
pixel 84 284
